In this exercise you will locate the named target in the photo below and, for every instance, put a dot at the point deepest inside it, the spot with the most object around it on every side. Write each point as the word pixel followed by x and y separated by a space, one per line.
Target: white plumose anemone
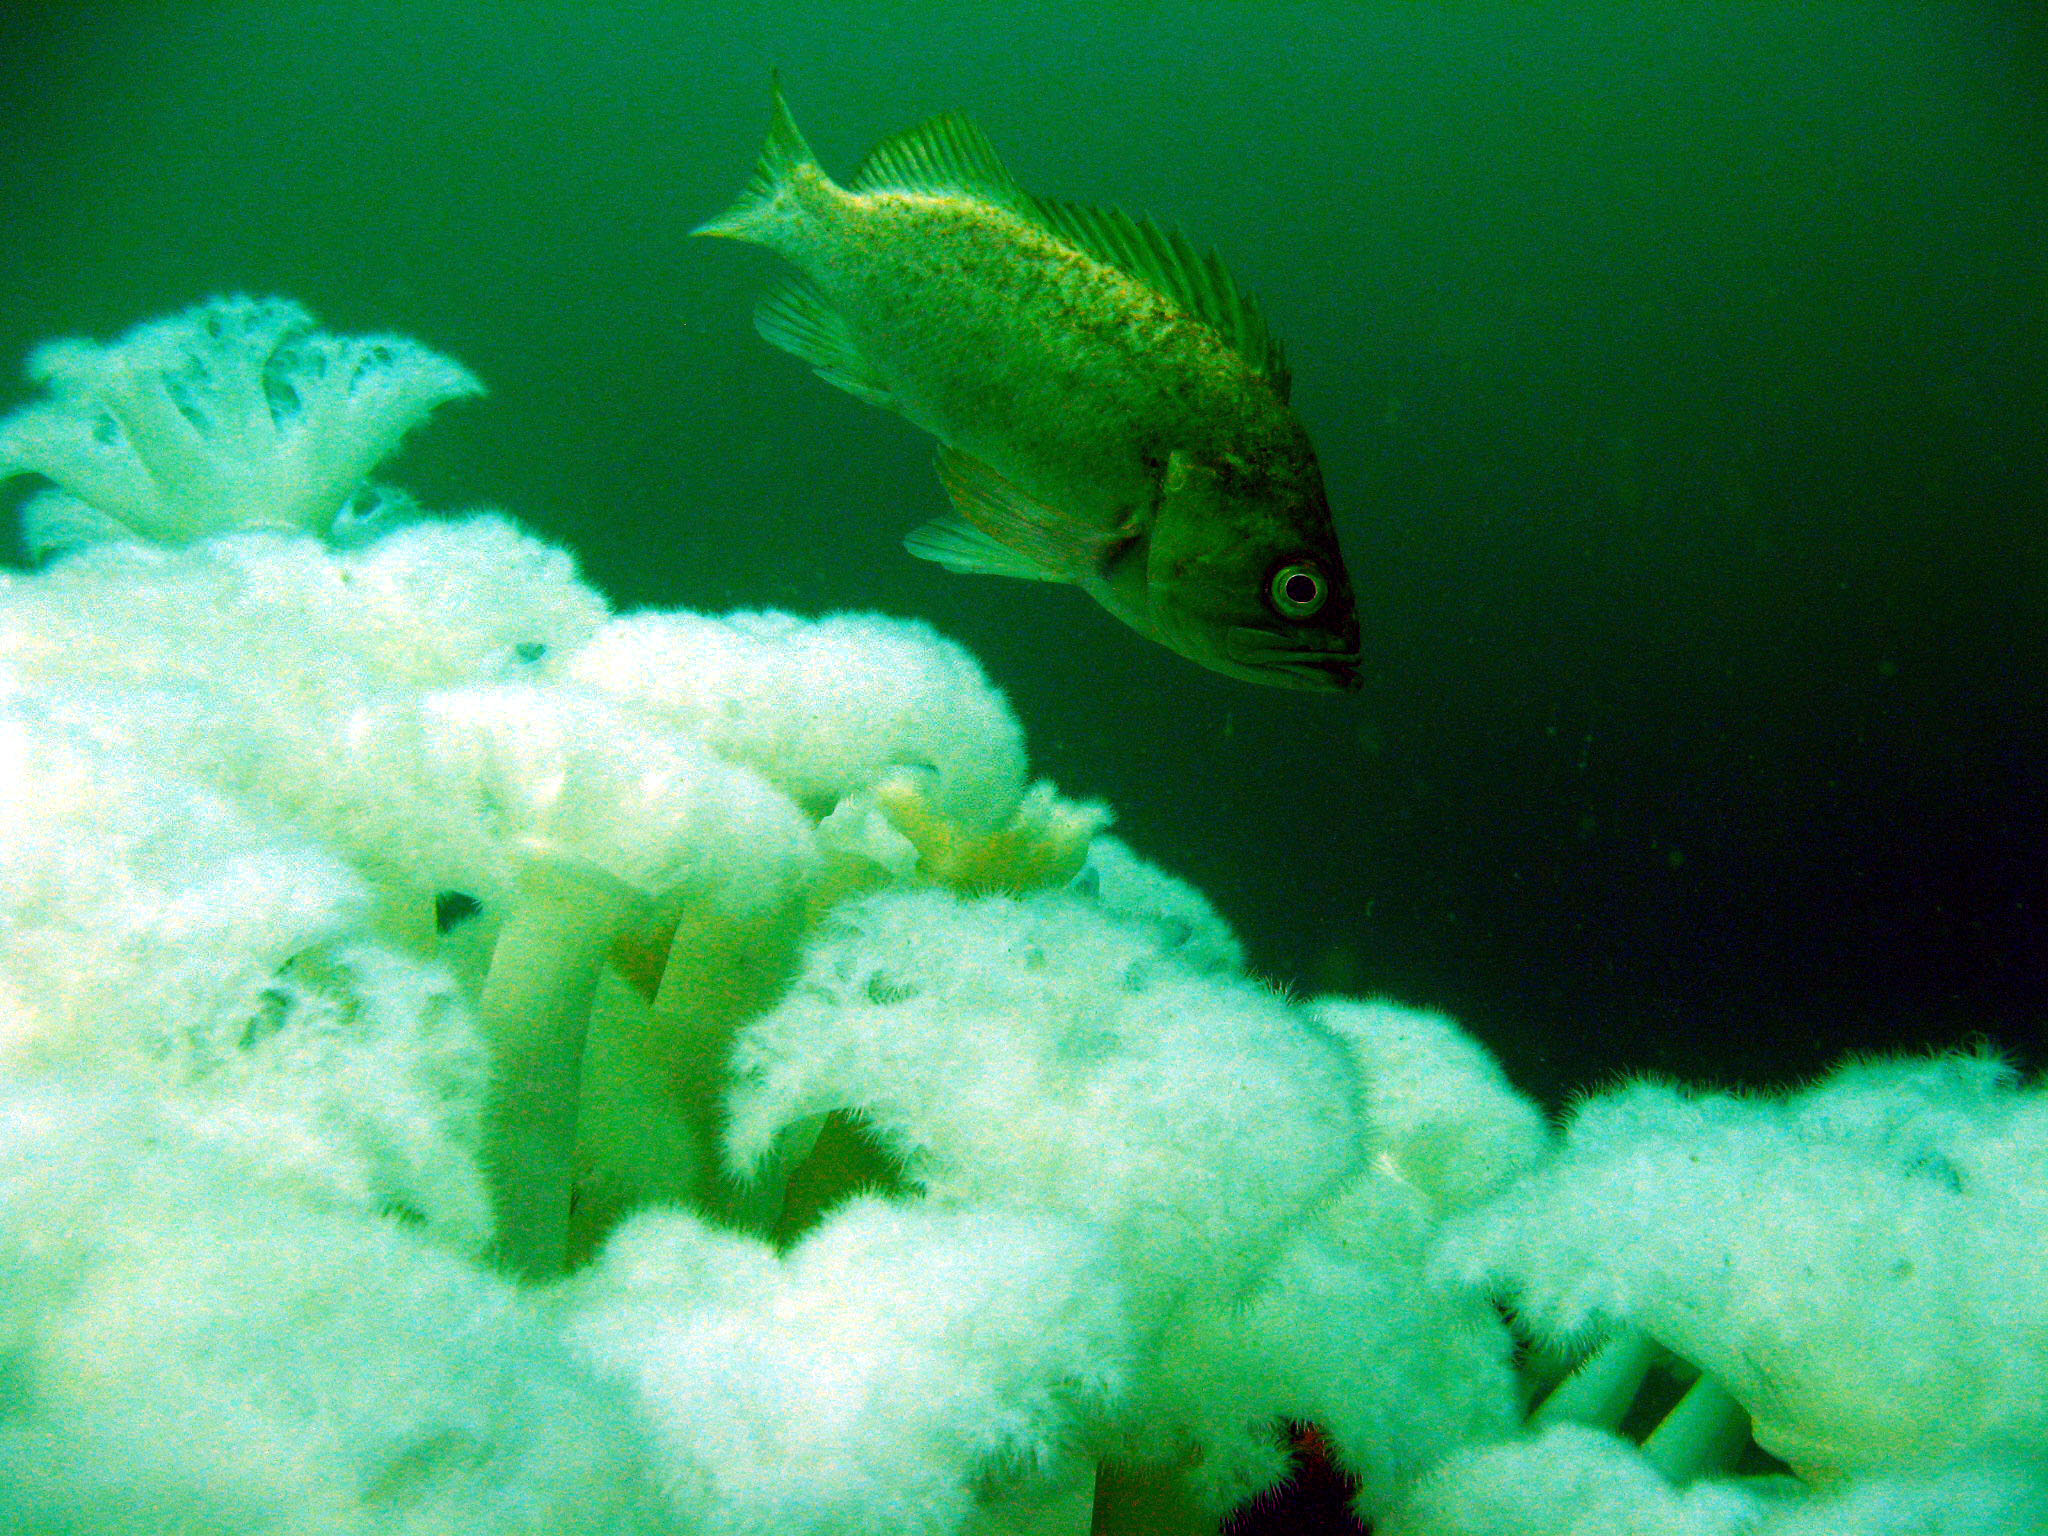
pixel 388 928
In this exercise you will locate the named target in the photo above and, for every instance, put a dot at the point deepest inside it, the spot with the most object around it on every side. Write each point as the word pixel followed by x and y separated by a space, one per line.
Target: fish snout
pixel 1318 663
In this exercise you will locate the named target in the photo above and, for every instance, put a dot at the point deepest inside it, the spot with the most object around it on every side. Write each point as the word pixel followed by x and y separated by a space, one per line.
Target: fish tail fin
pixel 766 200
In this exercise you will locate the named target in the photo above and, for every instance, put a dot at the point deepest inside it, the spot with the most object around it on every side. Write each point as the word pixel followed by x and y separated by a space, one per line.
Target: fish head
pixel 1244 576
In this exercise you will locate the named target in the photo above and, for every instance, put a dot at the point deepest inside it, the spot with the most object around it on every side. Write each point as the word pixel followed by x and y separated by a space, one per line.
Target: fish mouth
pixel 1294 661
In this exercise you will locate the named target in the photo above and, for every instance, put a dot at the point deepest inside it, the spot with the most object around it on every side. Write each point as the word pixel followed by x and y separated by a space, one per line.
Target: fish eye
pixel 1298 591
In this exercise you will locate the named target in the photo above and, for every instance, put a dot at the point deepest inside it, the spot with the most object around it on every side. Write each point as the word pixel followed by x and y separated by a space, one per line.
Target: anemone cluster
pixel 471 1061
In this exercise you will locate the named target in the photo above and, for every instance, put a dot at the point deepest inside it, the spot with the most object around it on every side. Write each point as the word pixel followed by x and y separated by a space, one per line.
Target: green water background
pixel 1677 369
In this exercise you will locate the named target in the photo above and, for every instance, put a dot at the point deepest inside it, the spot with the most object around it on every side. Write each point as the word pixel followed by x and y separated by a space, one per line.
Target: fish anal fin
pixel 800 319
pixel 1164 261
pixel 1038 537
pixel 944 154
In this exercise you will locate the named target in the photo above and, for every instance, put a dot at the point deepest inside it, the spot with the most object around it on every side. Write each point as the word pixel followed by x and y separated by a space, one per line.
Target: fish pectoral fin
pixel 800 319
pixel 1050 543
pixel 965 550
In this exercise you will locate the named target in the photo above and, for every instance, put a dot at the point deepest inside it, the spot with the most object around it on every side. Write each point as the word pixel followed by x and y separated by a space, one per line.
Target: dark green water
pixel 1678 372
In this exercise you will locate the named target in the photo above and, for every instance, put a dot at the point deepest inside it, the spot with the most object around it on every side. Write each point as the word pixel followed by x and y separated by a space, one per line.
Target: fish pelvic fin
pixel 800 319
pixel 998 529
pixel 766 203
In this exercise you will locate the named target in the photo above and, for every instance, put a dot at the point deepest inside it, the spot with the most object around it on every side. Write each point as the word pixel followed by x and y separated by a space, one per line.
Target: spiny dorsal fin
pixel 943 154
pixel 1164 261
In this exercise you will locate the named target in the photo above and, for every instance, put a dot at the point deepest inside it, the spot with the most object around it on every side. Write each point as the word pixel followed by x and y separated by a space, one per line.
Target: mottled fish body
pixel 1112 411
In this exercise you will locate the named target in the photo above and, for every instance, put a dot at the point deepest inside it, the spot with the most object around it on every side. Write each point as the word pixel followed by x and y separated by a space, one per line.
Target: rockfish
pixel 1110 407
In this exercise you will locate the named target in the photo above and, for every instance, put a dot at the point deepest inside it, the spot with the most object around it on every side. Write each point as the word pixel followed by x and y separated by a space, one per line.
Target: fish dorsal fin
pixel 1165 262
pixel 943 154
